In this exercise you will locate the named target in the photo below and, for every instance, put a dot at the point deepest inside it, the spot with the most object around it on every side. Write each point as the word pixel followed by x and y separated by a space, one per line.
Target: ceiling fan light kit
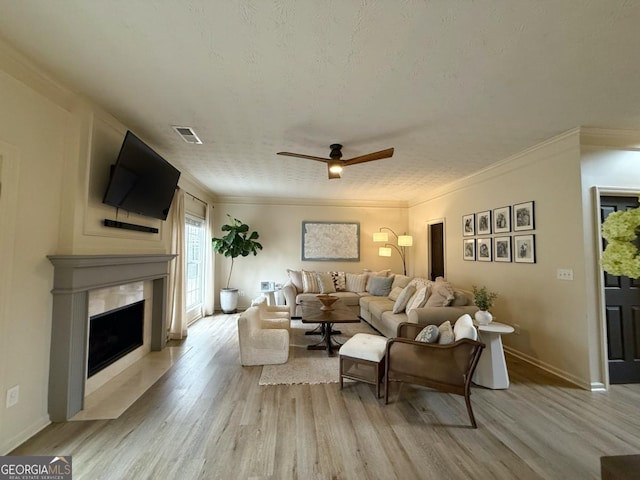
pixel 335 164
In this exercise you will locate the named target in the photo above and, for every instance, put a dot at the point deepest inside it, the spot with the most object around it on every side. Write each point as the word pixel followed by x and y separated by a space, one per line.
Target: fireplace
pixel 113 334
pixel 74 277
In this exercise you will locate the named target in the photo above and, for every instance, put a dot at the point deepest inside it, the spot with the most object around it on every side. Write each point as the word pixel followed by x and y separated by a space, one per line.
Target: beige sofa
pixel 377 310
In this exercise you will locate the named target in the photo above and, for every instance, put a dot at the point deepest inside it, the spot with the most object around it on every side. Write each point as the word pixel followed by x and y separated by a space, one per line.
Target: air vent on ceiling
pixel 188 135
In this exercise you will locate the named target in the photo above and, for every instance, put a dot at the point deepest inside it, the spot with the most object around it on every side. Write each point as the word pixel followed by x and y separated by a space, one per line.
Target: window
pixel 194 266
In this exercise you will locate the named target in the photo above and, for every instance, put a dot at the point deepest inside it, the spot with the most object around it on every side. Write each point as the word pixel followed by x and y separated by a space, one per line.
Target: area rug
pixel 309 366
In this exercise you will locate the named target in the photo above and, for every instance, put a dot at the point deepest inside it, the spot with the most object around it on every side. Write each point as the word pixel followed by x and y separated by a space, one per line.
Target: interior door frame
pixel 600 191
pixel 428 224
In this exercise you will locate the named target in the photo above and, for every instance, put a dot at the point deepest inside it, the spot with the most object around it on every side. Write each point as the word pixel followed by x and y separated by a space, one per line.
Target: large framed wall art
pixel 331 241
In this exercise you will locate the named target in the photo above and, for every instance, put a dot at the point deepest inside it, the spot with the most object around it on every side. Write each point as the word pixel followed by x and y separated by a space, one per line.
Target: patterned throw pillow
pixel 310 282
pixel 428 334
pixel 339 280
pixel 356 283
pixel 403 299
pixel 446 333
pixel 325 282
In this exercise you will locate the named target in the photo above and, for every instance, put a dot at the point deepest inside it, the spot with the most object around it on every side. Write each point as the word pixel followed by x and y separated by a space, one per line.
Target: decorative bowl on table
pixel 327 301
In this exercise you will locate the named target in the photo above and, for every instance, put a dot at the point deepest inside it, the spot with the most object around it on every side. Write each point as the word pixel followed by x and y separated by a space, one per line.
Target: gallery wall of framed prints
pixel 503 234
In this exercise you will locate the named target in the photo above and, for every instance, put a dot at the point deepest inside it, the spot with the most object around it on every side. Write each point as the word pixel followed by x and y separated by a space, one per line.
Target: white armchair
pixel 262 342
pixel 272 316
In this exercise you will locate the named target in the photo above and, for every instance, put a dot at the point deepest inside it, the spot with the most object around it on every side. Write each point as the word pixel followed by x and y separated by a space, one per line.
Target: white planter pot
pixel 229 300
pixel 483 317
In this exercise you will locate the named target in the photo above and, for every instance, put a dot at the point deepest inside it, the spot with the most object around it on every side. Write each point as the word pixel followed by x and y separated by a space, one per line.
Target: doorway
pixel 622 309
pixel 436 249
pixel 194 267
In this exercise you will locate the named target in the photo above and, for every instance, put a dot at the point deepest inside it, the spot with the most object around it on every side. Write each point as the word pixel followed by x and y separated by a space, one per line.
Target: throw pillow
pixel 420 282
pixel 459 300
pixel 419 298
pixel 463 328
pixel 395 293
pixel 381 273
pixel 380 286
pixel 310 282
pixel 441 295
pixel 325 282
pixel 428 334
pixel 446 333
pixel 403 299
pixel 356 283
pixel 296 278
pixel 339 280
pixel 400 281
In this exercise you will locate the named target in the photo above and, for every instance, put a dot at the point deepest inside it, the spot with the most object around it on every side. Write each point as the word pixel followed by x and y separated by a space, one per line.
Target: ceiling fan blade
pixel 309 157
pixel 369 157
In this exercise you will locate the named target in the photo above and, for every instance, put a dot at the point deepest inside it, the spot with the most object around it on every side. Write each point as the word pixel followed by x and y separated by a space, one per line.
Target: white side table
pixel 270 296
pixel 491 371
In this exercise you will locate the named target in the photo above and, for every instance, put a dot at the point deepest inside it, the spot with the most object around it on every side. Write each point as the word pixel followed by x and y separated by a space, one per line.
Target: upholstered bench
pixel 362 359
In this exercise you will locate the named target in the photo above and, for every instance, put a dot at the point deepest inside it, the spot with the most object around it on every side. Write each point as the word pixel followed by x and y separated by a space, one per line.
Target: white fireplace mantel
pixel 74 277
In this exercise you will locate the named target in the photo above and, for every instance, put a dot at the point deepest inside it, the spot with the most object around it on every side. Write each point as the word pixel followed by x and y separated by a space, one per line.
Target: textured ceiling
pixel 453 85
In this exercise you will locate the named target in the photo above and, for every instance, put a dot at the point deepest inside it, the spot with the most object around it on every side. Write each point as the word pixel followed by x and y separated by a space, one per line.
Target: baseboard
pixel 550 369
pixel 17 440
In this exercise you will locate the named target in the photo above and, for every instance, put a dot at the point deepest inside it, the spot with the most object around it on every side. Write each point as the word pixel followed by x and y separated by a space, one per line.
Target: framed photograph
pixel 331 241
pixel 524 248
pixel 502 249
pixel 523 216
pixel 469 249
pixel 468 225
pixel 502 220
pixel 484 249
pixel 483 223
pixel 265 286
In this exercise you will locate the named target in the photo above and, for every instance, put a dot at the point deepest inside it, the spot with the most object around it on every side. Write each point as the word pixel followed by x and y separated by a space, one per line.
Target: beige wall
pixel 551 313
pixel 280 227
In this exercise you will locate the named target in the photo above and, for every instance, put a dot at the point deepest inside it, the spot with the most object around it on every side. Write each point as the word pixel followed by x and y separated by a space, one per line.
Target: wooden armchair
pixel 448 368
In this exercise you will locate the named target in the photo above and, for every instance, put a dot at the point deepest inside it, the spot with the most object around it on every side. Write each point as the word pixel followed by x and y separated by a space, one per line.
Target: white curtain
pixel 178 322
pixel 208 304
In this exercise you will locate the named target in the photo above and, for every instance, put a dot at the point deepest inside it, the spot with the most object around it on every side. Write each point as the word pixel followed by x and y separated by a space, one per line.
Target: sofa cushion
pixel 296 278
pixel 395 293
pixel 403 299
pixel 463 328
pixel 446 333
pixel 428 334
pixel 419 299
pixel 365 301
pixel 459 299
pixel 325 282
pixel 310 282
pixel 380 286
pixel 441 295
pixel 356 282
pixel 378 308
pixel 339 280
pixel 389 321
pixel 400 281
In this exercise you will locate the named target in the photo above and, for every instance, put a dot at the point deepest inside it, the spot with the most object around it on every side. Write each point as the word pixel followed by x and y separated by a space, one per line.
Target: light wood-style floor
pixel 208 418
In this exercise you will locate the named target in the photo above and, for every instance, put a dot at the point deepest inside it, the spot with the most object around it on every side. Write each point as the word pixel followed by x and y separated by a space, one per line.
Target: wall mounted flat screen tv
pixel 141 180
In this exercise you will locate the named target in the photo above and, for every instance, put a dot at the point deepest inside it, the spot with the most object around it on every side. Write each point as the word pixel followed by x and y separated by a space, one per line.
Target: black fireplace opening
pixel 113 334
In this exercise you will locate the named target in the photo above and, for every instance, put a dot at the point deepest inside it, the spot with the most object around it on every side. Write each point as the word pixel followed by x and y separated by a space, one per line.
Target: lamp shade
pixel 384 252
pixel 405 240
pixel 380 237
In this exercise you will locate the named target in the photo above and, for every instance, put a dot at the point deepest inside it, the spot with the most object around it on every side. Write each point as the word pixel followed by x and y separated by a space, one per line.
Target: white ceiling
pixel 453 85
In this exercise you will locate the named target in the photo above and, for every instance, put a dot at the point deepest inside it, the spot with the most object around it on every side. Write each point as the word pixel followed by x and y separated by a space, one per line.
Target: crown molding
pixel 623 139
pixel 311 202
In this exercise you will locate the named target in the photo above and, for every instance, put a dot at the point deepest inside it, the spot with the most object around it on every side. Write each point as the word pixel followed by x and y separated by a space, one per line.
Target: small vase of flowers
pixel 484 301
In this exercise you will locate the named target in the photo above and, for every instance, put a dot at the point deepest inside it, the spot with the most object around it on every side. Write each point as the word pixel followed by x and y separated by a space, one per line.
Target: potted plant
pixel 238 242
pixel 484 301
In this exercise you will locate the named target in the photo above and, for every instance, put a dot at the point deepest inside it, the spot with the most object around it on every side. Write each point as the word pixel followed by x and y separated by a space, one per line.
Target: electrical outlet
pixel 242 293
pixel 13 395
pixel 564 274
pixel 516 329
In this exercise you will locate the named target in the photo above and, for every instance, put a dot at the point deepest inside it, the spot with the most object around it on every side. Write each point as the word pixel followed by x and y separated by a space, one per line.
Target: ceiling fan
pixel 334 162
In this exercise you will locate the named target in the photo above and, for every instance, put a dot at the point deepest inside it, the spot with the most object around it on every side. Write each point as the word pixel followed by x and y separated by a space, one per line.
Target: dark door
pixel 622 298
pixel 436 249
